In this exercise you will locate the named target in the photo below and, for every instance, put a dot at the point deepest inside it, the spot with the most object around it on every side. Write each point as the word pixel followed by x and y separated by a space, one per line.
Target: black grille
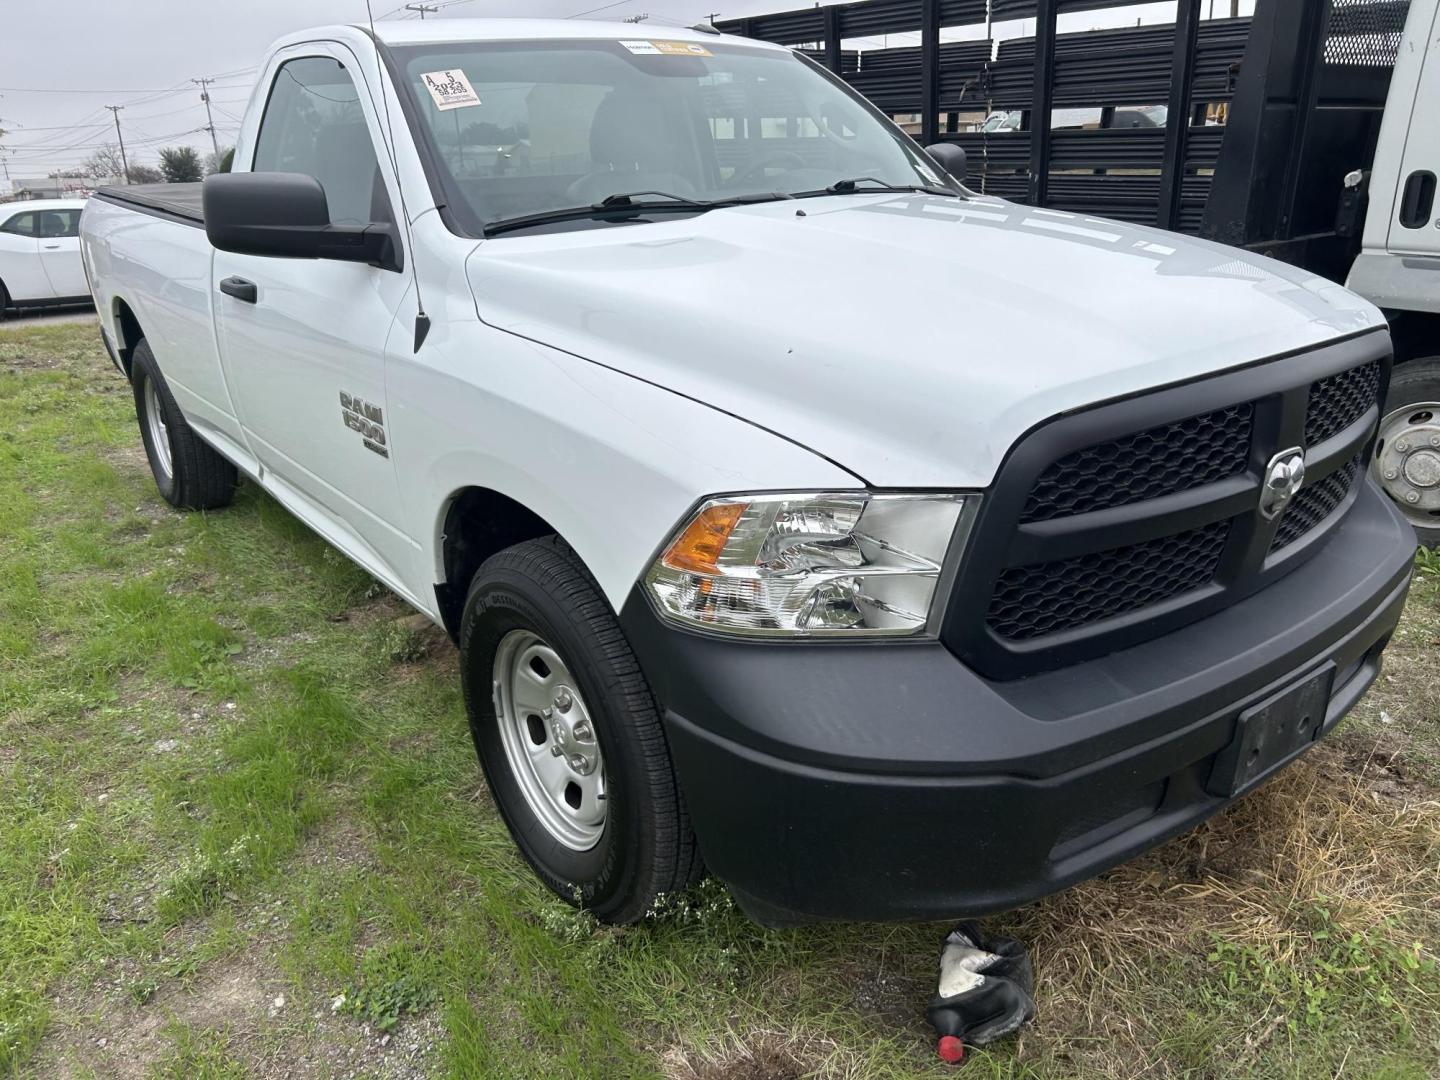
pixel 1047 582
pixel 1031 601
pixel 1314 504
pixel 1162 460
pixel 1338 401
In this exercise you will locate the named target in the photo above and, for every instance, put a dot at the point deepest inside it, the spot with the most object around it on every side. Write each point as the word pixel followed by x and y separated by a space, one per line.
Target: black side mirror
pixel 286 215
pixel 950 158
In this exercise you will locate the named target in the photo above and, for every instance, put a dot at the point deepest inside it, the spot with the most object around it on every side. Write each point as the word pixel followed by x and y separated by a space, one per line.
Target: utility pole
pixel 204 85
pixel 422 9
pixel 124 162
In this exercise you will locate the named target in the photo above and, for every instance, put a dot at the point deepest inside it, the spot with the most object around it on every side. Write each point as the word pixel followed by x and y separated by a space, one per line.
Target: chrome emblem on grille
pixel 1283 478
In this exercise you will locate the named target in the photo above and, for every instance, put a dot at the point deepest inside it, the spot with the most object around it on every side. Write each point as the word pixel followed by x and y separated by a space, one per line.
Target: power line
pixel 54 90
pixel 602 7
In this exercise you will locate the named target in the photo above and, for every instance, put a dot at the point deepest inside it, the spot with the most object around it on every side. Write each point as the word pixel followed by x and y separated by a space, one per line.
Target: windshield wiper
pixel 852 184
pixel 626 203
pixel 612 205
pixel 629 199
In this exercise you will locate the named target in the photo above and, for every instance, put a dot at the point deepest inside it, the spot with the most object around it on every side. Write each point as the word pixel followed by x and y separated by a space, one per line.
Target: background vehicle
pixel 40 261
pixel 1320 145
pixel 739 562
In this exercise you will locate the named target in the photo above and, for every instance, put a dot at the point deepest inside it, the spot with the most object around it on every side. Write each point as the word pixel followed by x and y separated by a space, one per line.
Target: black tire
pixel 647 846
pixel 4 301
pixel 198 477
pixel 1414 382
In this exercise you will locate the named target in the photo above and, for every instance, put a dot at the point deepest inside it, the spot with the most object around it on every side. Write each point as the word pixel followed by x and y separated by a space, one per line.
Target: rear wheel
pixel 569 735
pixel 189 473
pixel 1407 451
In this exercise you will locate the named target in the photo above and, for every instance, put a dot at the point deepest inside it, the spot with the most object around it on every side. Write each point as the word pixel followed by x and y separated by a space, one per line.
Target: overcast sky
pixel 85 54
pixel 61 63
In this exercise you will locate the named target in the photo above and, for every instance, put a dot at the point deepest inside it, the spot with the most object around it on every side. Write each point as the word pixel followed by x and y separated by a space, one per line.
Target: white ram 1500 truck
pixel 891 550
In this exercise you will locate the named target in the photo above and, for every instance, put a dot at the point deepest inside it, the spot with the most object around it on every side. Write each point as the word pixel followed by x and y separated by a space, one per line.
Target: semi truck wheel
pixel 1407 452
pixel 569 734
pixel 189 473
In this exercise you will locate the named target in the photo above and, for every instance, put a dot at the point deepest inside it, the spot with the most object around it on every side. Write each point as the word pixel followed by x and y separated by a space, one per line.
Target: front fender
pixel 610 461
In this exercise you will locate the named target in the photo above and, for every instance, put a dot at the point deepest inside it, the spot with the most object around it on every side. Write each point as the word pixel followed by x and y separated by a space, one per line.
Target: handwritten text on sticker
pixel 449 89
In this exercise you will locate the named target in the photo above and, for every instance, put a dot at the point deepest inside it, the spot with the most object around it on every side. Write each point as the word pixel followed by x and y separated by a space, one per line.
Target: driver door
pixel 303 341
pixel 60 252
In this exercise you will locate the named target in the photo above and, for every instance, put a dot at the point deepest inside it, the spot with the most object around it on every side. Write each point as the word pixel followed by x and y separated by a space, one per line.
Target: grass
pixel 242 833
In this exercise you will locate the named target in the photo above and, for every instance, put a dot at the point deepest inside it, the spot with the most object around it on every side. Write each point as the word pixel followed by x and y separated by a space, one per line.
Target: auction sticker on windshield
pixel 666 48
pixel 450 89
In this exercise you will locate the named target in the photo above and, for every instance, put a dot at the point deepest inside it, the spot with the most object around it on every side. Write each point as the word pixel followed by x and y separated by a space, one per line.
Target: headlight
pixel 842 563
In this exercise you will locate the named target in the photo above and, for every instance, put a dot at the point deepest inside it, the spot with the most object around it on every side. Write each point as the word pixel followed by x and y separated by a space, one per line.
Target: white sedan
pixel 40 254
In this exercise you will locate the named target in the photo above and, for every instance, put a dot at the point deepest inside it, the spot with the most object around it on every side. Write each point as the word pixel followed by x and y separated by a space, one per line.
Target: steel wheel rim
pixel 159 433
pixel 1407 461
pixel 549 740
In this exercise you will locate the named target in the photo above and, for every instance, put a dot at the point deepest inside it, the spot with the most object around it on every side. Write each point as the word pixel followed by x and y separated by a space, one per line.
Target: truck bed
pixel 176 201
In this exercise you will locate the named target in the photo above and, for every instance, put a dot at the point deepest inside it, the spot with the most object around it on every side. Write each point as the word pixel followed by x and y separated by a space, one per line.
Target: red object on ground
pixel 950 1049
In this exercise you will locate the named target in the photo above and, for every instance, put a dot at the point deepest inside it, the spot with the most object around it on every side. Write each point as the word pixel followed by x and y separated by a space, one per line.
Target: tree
pixel 220 162
pixel 145 174
pixel 181 165
pixel 104 163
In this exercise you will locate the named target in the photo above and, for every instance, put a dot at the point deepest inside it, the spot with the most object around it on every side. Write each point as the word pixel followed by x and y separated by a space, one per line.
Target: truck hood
pixel 910 339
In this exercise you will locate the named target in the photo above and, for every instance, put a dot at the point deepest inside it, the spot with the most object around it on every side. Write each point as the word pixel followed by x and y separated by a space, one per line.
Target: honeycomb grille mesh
pixel 1066 594
pixel 1314 504
pixel 1032 601
pixel 1365 33
pixel 1159 461
pixel 1338 401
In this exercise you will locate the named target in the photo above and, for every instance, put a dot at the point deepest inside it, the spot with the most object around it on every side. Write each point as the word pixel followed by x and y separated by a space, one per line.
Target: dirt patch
pixel 244 1002
pixel 339 843
pixel 129 458
pixel 1380 767
pixel 29 360
pixel 127 1041
pixel 889 996
pixel 764 1056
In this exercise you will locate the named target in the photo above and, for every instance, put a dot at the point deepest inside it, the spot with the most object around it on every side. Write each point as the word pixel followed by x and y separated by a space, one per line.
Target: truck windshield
pixel 517 129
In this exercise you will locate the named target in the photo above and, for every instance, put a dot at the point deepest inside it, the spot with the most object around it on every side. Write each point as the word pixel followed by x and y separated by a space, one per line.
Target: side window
pixel 59 223
pixel 314 124
pixel 20 225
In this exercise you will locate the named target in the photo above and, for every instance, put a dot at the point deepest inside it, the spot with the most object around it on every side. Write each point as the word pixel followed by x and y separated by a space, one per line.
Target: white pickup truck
pixel 890 550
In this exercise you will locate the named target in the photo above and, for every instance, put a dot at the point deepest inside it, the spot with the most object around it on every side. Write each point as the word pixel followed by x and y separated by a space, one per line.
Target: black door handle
pixel 1417 199
pixel 239 288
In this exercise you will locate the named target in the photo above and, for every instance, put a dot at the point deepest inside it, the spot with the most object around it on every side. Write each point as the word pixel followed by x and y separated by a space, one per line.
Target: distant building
pixel 53 187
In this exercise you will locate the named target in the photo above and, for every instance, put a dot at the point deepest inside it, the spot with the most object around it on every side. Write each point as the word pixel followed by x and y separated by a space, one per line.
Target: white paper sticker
pixel 666 48
pixel 450 89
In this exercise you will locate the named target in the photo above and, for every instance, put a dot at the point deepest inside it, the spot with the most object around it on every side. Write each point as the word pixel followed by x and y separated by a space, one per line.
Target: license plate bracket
pixel 1271 732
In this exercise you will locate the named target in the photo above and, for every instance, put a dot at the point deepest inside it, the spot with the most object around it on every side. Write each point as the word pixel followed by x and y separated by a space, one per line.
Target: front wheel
pixel 1407 451
pixel 569 735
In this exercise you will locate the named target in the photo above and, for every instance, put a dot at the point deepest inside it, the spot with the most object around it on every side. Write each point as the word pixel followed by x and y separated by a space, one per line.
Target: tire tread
pixel 202 479
pixel 677 863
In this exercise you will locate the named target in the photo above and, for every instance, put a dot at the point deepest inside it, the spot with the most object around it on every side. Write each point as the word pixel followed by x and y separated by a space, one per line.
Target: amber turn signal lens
pixel 700 545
